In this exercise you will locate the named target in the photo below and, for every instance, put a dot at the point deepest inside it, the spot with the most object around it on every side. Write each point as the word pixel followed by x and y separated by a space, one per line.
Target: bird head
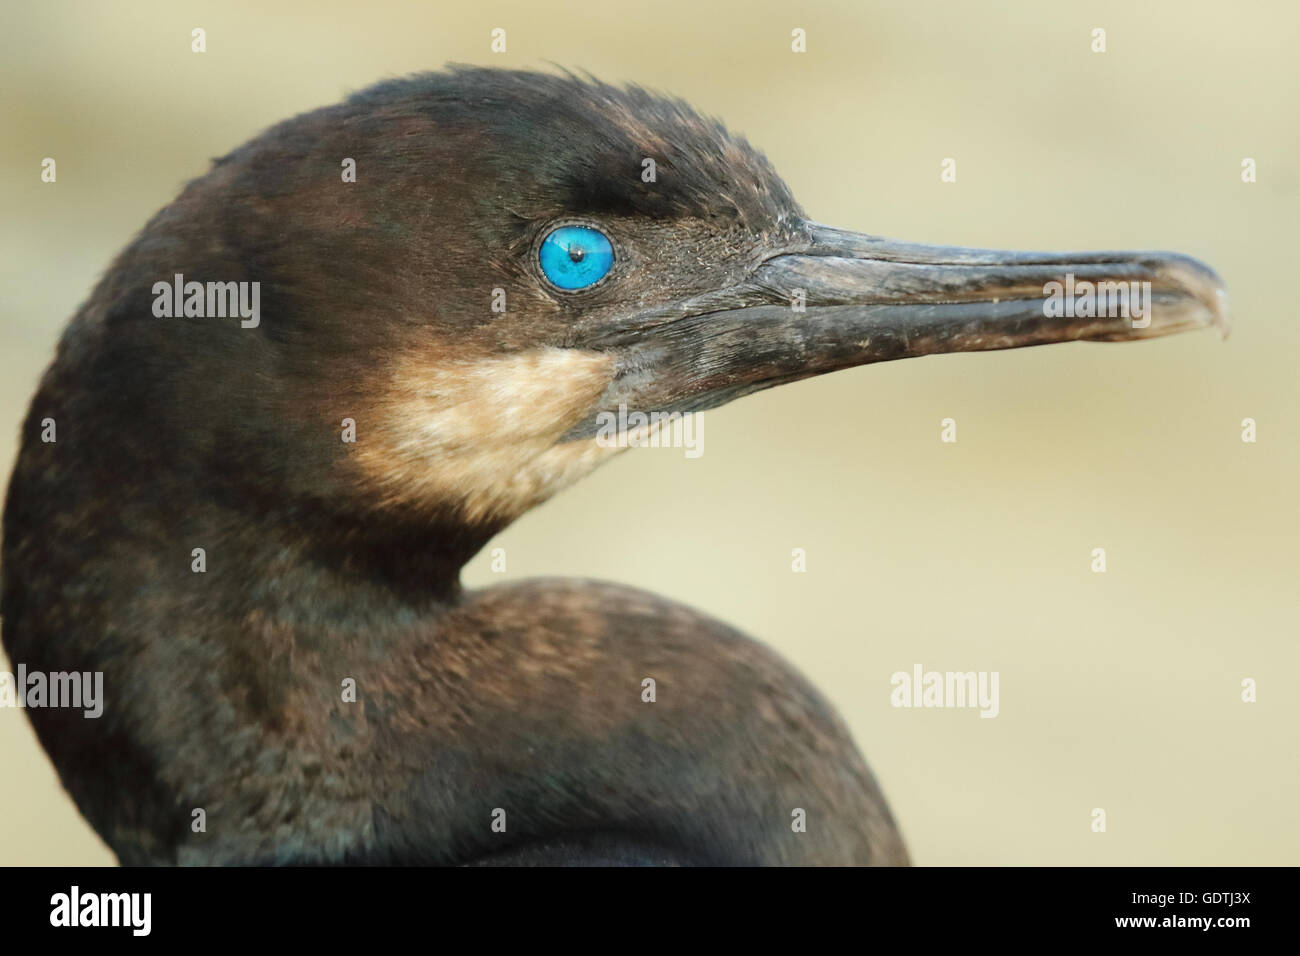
pixel 516 255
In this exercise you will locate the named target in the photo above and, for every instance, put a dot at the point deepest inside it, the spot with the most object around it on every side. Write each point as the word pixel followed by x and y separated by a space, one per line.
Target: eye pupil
pixel 574 257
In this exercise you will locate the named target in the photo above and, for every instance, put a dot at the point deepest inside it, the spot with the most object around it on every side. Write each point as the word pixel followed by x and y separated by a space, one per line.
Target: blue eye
pixel 574 257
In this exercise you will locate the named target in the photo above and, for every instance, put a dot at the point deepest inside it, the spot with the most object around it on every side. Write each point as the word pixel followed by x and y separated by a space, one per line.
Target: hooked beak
pixel 837 299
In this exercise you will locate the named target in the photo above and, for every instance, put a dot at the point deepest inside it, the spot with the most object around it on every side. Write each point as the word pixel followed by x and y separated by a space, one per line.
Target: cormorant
pixel 504 268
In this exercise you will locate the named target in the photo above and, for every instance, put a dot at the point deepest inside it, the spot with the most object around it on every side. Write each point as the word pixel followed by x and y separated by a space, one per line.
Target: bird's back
pixel 596 720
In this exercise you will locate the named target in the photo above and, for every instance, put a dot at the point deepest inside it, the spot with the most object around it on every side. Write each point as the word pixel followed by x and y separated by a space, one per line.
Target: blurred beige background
pixel 1119 690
